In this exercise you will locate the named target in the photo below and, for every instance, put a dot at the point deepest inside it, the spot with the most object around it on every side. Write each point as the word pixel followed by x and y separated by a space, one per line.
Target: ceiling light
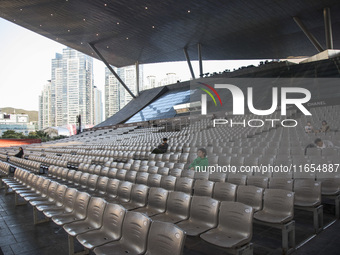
pixel 127 38
pixel 68 30
pixel 117 23
pixel 146 7
pixel 189 11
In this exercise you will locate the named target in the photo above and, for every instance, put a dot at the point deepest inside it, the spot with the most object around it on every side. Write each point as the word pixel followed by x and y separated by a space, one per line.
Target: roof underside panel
pixel 157 31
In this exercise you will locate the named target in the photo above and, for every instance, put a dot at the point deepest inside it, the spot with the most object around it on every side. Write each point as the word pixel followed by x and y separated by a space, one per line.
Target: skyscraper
pixel 98 106
pixel 45 107
pixel 71 90
pixel 116 97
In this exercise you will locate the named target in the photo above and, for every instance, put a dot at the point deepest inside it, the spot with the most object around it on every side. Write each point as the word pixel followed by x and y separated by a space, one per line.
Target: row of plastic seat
pixel 181 207
pixel 26 164
pixel 97 223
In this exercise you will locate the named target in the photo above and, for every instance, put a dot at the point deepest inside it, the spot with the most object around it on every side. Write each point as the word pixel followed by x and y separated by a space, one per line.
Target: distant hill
pixel 33 115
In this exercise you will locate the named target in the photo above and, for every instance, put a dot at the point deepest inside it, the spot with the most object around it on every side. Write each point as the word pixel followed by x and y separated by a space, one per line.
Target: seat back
pixel 178 204
pixel 307 192
pixel 92 182
pixel 165 238
pixel 204 210
pixel 235 217
pixel 70 199
pixel 95 211
pixel 104 171
pixel 142 178
pixel 124 191
pixel 280 202
pixel 76 177
pixel 157 198
pixel 59 195
pixel 250 195
pixel 184 184
pixel 112 173
pixel 131 176
pixel 112 187
pixel 154 180
pixel 102 184
pixel 81 204
pixel 121 174
pixel 139 194
pixel 225 191
pixel 281 183
pixel 113 220
pixel 135 231
pixel 203 188
pixel 168 182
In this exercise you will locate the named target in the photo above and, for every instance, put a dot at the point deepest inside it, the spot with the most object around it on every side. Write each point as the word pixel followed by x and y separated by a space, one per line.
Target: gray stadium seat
pixel 235 228
pixel 156 202
pixel 203 216
pixel 165 238
pixel 134 236
pixel 177 208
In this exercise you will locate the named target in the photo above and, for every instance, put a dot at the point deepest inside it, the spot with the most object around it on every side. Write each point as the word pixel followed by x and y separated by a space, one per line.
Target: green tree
pixel 12 134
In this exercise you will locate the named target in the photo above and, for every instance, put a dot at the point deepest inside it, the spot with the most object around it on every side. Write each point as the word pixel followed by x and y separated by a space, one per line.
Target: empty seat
pixel 217 177
pixel 278 211
pixel 203 188
pixel 154 180
pixel 175 172
pixel 258 181
pixel 131 176
pixel 142 178
pixel 67 207
pixel 121 173
pixel 308 197
pixel 203 216
pixel 139 196
pixel 93 221
pixel 111 229
pixel 235 227
pixel 168 182
pixel 123 193
pixel 78 213
pixel 134 236
pixel 184 184
pixel 156 202
pixel 281 183
pixel 188 173
pixel 177 208
pixel 238 179
pixel 250 195
pixel 225 191
pixel 165 238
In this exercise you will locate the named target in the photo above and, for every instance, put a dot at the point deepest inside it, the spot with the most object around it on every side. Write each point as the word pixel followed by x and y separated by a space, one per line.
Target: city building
pixel 19 123
pixel 45 107
pixel 98 106
pixel 69 93
pixel 116 97
pixel 170 78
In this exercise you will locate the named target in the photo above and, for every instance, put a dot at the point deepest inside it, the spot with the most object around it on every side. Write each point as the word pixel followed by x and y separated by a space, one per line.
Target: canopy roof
pixel 152 31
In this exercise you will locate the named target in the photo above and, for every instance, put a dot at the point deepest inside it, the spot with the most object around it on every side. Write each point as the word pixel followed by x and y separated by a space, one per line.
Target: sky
pixel 25 66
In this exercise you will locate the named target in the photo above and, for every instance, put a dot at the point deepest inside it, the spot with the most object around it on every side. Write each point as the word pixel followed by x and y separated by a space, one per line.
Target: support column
pixel 111 69
pixel 328 27
pixel 311 38
pixel 137 77
pixel 189 63
pixel 199 47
